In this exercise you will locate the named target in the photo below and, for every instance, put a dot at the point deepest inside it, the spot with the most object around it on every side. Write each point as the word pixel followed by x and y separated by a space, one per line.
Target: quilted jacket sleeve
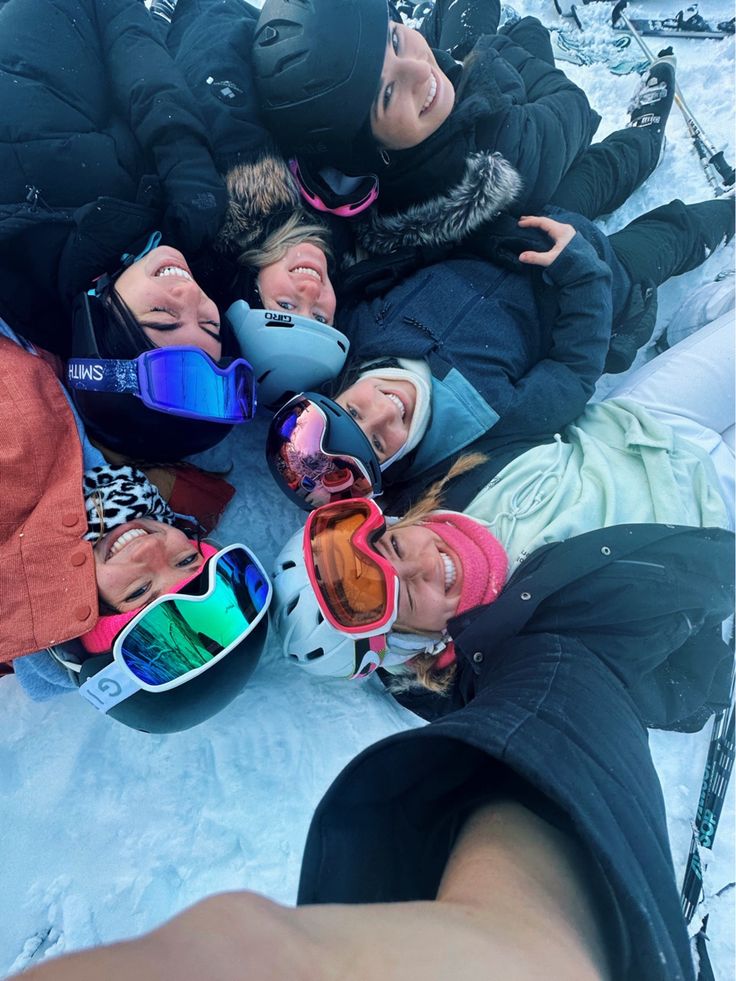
pixel 152 96
pixel 541 132
pixel 556 389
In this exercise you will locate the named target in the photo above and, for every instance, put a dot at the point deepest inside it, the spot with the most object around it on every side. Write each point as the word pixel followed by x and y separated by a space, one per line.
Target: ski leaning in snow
pixel 679 26
pixel 692 26
pixel 718 172
pixel 718 767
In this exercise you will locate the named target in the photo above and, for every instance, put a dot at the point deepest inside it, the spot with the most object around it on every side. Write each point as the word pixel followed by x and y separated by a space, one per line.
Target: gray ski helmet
pixel 289 353
pixel 317 66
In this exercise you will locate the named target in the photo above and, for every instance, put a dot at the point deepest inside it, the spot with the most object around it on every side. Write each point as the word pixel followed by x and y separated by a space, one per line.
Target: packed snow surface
pixel 108 831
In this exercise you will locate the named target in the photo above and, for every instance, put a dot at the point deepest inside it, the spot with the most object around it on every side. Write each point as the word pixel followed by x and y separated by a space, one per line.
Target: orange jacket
pixel 48 590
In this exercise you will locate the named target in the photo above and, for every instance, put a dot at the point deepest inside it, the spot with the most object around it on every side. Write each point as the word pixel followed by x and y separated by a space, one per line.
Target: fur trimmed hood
pixel 262 194
pixel 489 185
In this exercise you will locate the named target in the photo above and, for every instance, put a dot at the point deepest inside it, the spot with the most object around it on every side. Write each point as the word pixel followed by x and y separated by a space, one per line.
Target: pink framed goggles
pixel 357 589
pixel 353 195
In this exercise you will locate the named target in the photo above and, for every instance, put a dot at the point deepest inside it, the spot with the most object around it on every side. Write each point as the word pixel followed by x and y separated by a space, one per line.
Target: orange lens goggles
pixel 356 588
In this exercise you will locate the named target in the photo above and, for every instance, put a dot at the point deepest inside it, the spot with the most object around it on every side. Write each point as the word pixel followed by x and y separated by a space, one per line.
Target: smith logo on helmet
pixel 85 372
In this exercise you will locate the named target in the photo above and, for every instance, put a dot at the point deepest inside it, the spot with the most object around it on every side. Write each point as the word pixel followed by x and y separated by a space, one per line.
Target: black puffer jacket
pixel 101 140
pixel 517 127
pixel 647 599
pixel 587 647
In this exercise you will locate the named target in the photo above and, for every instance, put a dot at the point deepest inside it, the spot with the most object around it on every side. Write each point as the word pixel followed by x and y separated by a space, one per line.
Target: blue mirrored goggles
pixel 183 381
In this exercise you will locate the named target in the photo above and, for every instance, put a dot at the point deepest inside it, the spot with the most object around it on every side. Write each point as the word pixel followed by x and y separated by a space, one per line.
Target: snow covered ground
pixel 107 831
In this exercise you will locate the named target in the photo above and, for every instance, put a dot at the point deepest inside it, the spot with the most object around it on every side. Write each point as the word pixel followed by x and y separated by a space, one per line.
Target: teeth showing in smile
pixel 450 571
pixel 125 539
pixel 397 402
pixel 173 271
pixel 431 94
pixel 306 270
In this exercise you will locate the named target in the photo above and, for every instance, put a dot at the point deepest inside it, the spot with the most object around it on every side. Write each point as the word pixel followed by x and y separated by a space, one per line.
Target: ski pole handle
pixel 728 176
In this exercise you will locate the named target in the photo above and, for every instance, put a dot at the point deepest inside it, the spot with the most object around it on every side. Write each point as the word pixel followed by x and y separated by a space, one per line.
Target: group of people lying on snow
pixel 543 575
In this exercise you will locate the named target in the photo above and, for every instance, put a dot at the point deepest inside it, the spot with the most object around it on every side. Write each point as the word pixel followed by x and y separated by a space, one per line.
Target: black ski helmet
pixel 120 421
pixel 188 705
pixel 317 66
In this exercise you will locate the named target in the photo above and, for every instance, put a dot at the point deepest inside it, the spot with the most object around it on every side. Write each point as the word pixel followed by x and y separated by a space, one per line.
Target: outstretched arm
pixel 516 894
pixel 152 95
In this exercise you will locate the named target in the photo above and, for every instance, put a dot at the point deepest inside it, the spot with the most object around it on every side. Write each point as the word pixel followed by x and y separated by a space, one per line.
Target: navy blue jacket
pixel 504 356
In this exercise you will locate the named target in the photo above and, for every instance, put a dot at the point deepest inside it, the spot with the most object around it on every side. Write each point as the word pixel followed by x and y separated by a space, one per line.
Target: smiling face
pixel 299 283
pixel 140 561
pixel 414 96
pixel 162 295
pixel 430 575
pixel 383 409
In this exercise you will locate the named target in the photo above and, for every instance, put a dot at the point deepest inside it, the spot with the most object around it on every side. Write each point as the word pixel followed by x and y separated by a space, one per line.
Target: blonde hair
pixel 432 498
pixel 294 231
pixel 421 672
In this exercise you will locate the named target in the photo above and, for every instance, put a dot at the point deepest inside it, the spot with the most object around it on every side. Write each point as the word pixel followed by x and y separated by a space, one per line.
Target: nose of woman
pixel 150 551
pixel 415 71
pixel 420 564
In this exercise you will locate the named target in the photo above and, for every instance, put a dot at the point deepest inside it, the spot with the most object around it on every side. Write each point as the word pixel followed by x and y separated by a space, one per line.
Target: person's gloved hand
pixel 195 197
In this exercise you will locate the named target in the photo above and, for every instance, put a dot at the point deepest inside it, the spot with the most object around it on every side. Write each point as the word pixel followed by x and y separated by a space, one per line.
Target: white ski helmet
pixel 289 353
pixel 307 639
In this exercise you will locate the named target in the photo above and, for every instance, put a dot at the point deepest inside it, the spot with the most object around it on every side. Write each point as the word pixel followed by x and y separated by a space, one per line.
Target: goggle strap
pixel 108 687
pixel 378 643
pixel 104 375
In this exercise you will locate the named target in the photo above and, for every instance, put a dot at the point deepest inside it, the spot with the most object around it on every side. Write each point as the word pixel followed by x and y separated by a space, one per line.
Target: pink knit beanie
pixel 484 563
pixel 102 636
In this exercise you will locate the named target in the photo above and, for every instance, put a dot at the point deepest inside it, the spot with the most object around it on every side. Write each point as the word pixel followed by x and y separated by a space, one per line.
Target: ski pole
pixel 711 158
pixel 718 767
